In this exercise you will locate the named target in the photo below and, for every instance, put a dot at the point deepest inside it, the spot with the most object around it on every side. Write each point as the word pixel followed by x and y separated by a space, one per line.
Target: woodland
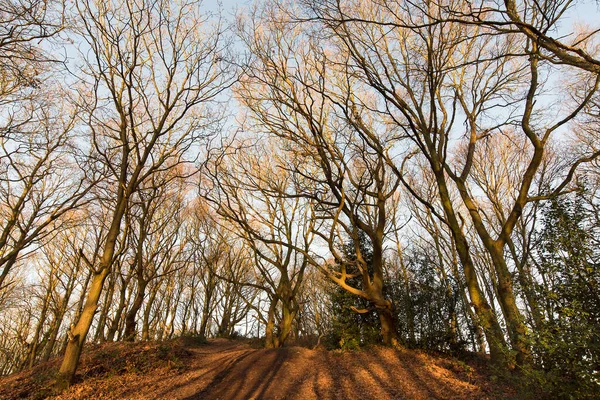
pixel 422 174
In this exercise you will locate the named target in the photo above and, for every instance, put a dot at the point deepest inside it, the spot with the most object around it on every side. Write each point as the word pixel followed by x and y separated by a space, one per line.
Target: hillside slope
pixel 224 369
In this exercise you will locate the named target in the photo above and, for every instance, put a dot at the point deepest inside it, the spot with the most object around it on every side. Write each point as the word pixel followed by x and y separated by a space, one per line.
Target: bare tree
pixel 24 26
pixel 151 68
pixel 42 178
pixel 538 21
pixel 158 241
pixel 295 94
pixel 409 55
pixel 249 191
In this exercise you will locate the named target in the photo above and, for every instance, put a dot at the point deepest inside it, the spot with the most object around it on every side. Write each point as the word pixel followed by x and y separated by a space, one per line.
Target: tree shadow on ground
pixel 287 373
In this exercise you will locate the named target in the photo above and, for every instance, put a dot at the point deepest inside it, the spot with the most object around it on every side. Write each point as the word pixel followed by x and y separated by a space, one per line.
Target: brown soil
pixel 224 369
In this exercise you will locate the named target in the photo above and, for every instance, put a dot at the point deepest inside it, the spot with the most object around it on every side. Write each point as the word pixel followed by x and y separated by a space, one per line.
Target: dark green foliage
pixel 432 301
pixel 425 305
pixel 568 344
pixel 349 329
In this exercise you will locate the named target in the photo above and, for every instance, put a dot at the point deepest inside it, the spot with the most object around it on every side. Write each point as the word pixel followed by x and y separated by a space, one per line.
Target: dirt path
pixel 231 370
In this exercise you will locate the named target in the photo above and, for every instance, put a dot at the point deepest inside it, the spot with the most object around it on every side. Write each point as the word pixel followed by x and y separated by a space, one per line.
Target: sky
pixel 585 10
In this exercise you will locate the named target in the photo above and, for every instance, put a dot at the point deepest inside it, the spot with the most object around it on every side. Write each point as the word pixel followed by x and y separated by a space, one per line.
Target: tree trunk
pixel 506 297
pixel 204 321
pixel 485 315
pixel 79 332
pixel 517 331
pixel 130 322
pixel 147 311
pixel 185 316
pixel 38 330
pixel 173 315
pixel 9 264
pixel 82 295
pixel 52 337
pixel 287 320
pixel 389 332
pixel 60 313
pixel 270 339
pixel 389 324
pixel 100 330
pixel 206 307
pixel 114 325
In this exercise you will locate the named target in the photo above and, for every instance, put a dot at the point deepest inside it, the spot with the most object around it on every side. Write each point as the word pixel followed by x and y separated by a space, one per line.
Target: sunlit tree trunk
pixel 485 315
pixel 147 312
pixel 78 332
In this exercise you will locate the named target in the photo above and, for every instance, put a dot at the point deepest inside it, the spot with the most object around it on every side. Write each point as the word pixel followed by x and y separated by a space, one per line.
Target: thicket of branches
pixel 418 173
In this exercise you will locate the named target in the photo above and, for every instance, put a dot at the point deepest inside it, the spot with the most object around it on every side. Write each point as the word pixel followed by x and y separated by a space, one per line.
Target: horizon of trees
pixel 422 173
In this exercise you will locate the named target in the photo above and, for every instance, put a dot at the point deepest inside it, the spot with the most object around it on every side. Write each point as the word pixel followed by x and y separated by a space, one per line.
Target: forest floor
pixel 231 369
